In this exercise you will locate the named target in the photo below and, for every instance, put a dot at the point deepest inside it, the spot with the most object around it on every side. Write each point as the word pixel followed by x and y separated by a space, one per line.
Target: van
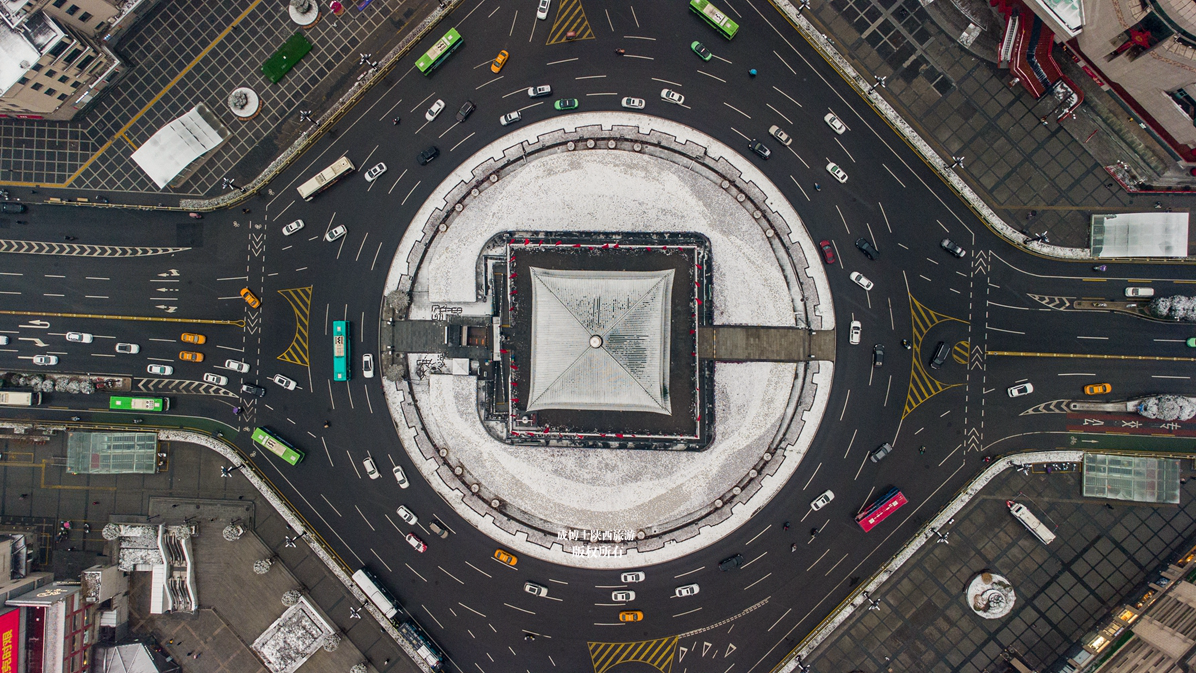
pixel 1139 292
pixel 940 355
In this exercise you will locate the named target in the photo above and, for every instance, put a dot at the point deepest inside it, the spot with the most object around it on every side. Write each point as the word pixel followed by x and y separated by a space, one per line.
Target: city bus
pixel 138 403
pixel 276 445
pixel 326 178
pixel 1031 522
pixel 341 351
pixel 20 399
pixel 439 52
pixel 711 15
pixel 880 509
pixel 380 597
pixel 414 635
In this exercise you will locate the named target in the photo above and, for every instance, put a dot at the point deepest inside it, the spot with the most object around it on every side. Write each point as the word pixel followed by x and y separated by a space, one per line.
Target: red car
pixel 415 542
pixel 828 252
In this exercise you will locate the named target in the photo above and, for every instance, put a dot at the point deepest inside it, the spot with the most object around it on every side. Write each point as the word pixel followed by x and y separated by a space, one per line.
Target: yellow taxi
pixel 197 339
pixel 1097 389
pixel 505 557
pixel 499 61
pixel 631 616
pixel 191 356
pixel 250 298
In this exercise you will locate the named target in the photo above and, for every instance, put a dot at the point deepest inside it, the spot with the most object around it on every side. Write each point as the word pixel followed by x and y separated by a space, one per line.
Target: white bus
pixel 1023 514
pixel 20 399
pixel 326 178
pixel 380 597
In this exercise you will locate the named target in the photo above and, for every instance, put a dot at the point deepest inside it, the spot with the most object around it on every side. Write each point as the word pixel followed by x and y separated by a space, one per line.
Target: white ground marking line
pixel 1007 331
pixel 803 192
pixel 895 176
pixel 832 568
pixel 646 58
pixel 1020 308
pixel 811 567
pixel 757 582
pixel 523 91
pixel 887 389
pixel 609 624
pixel 762 554
pixel 590 77
pixel 791 100
pixel 816 468
pixel 932 261
pixel 801 160
pixel 1160 376
pixel 657 79
pixel 463 140
pixel 737 110
pixel 326 452
pixel 367 157
pixel 688 572
pixel 745 544
pixel 362 246
pixel 450 575
pixel 689 612
pixel 782 60
pixel 396 527
pixel 778 621
pixel 284 209
pixel 421 103
pixel 862 463
pixel 528 107
pixel 410 193
pixel 367 397
pixel 871 236
pixel 432 616
pixel 885 215
pixel 514 19
pixel 724 60
pixel 353 463
pixel 416 573
pixel 957 447
pixel 741 135
pixel 1170 341
pixel 558 582
pixel 892 323
pixel 608 21
pixel 396 184
pixel 703 72
pixel 388 569
pixel 367 521
pixel 1092 337
pixel 849 153
pixel 478 569
pixel 637 25
pixel 382 118
pixel 604 93
pixel 843 219
pixel 331 505
pixel 1075 374
pixel 849 443
pixel 925 278
pixel 519 609
pixel 944 227
pixel 489 82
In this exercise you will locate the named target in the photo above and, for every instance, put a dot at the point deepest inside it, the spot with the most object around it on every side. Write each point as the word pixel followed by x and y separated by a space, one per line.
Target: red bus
pixel 880 510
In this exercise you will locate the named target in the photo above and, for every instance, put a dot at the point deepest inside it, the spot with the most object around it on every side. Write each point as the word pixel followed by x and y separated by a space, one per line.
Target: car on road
pixel 335 233
pixel 505 558
pixel 434 111
pixel 499 61
pixel 759 148
pixel 854 333
pixel 632 103
pixel 782 137
pixel 859 279
pixel 216 379
pixel 940 355
pixel 701 50
pixel 128 349
pixel 191 356
pixel 686 590
pixel 250 298
pixel 880 452
pixel 878 355
pixel 80 337
pixel 190 338
pixel 566 104
pixel 367 365
pixel 3 340
pixel 283 381
pixel 631 616
pixel 510 118
pixel 867 248
pixel 12 208
pixel 834 122
pixel 828 251
pixel 1021 389
pixel 236 366
pixel 1191 342
pixel 539 91
pixel 542 10
pixel 371 470
pixel 1098 389
pixel 428 155
pixel 731 563
pixel 466 110
pixel 836 172
pixel 437 529
pixel 400 477
pixel 670 96
pixel 822 500
pixel 1139 292
pixel 292 227
pixel 375 172
pixel 535 589
pixel 622 596
pixel 632 577
pixel 952 247
pixel 406 515
pixel 253 389
pixel 160 370
pixel 49 360
pixel 416 543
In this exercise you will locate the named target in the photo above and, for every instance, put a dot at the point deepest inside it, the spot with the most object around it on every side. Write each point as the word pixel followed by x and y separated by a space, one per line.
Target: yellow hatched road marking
pixel 1091 356
pixel 570 16
pixel 656 653
pixel 135 318
pixel 300 300
pixel 923 386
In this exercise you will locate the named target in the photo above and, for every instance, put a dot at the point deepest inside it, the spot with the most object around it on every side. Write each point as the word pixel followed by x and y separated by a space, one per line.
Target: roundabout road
pixel 994 299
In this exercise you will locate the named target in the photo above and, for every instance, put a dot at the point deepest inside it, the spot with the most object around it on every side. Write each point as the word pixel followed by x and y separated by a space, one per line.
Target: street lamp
pixel 880 82
pixel 288 541
pixel 956 161
pixel 227 472
pixel 227 183
pixel 354 613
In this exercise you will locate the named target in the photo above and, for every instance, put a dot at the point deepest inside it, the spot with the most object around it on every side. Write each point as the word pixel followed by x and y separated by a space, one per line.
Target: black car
pixel 428 155
pixel 465 111
pixel 759 148
pixel 250 389
pixel 940 355
pixel 878 355
pixel 12 208
pixel 867 248
pixel 951 247
pixel 731 563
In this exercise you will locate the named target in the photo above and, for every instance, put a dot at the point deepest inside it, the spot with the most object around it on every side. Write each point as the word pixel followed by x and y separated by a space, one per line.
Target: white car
pixel 292 227
pixel 856 330
pixel 335 233
pixel 283 381
pixel 859 279
pixel 406 515
pixel 822 500
pixel 670 96
pixel 160 370
pixel 371 470
pixel 539 91
pixel 128 349
pixel 542 10
pixel 434 111
pixel 631 577
pixel 837 172
pixel 236 366
pixel 374 172
pixel 832 121
pixel 686 590
pixel 633 103
pixel 401 477
pixel 531 587
pixel 1139 291
pixel 782 137
pixel 45 360
pixel 215 379
pixel 80 337
pixel 3 340
pixel 622 596
pixel 367 365
pixel 510 118
pixel 1021 389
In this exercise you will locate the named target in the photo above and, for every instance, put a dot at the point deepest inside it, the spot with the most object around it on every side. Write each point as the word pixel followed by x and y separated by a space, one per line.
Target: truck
pixel 1023 514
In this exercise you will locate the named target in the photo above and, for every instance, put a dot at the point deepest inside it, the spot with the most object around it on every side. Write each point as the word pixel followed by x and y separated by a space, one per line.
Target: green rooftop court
pixel 292 51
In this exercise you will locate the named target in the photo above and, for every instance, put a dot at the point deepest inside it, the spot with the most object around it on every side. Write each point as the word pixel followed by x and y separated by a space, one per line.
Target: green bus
pixel 276 445
pixel 341 350
pixel 439 52
pixel 711 15
pixel 138 403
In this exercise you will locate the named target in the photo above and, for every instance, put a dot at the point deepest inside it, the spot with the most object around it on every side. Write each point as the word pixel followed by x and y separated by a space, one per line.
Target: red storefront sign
pixel 10 631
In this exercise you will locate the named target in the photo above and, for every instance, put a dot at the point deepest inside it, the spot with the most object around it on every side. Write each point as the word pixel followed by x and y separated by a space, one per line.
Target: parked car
pixel 701 50
pixel 828 251
pixel 292 227
pixel 50 360
pixel 834 122
pixel 622 596
pixel 632 103
pixel 867 248
pixel 428 155
pixel 880 452
pixel 822 500
pixel 670 96
pixel 539 91
pixel 466 110
pixel 510 118
pixel 1098 389
pixel 686 590
pixel 854 333
pixel 250 298
pixel 128 349
pixel 837 172
pixel 940 355
pixel 406 515
pixel 283 381
pixel 367 365
pixel 731 563
pixel 759 148
pixel 950 246
pixel 191 356
pixel 216 379
pixel 434 111
pixel 1021 389
pixel 375 172
pixel 782 137
pixel 499 61
pixel 371 470
pixel 80 337
pixel 416 543
pixel 190 338
pixel 566 104
pixel 535 589
pixel 253 389
pixel 160 370
pixel 859 279
pixel 878 355
pixel 632 577
pixel 9 208
pixel 437 528
pixel 400 477
pixel 505 558
pixel 542 10
pixel 335 233
pixel 237 366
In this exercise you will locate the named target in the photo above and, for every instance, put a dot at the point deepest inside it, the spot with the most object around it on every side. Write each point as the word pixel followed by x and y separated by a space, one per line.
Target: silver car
pixel 434 111
pixel 633 103
pixel 535 589
pixel 406 515
pixel 292 227
pixel 686 590
pixel 510 118
pixel 622 596
pixel 670 96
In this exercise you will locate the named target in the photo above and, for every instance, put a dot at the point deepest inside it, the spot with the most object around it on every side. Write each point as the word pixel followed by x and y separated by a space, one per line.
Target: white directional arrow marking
pixel 684 651
pixel 36 324
pixel 168 309
pixel 730 648
pixel 37 342
pixel 706 647
pixel 171 272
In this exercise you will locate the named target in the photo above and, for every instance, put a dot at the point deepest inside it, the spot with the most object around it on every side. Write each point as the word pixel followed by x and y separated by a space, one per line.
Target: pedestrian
pixel 170 642
pixel 386 663
pixel 395 121
pixel 921 450
pixel 95 502
pixel 190 653
pixel 245 210
pixel 328 424
pixel 23 496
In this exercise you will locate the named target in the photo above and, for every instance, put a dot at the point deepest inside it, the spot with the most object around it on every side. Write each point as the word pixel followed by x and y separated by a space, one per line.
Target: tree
pixel 357 668
pixel 332 641
pixel 262 566
pixel 1168 407
pixel 1175 307
pixel 233 532
pixel 291 597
